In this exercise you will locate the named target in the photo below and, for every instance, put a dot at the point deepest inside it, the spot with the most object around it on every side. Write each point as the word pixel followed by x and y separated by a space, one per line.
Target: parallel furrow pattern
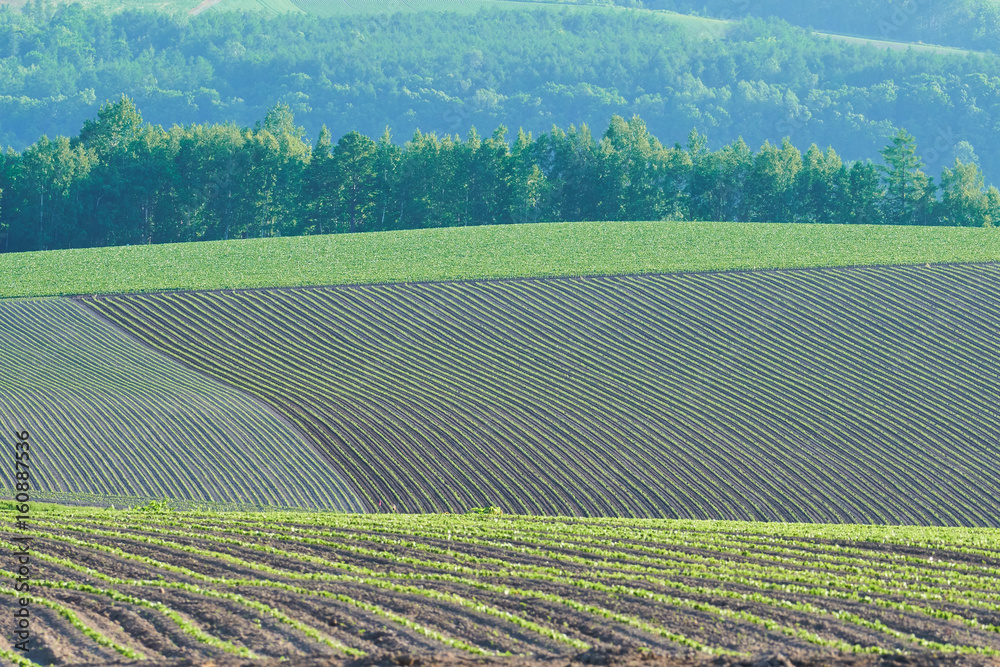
pixel 112 417
pixel 843 395
pixel 286 584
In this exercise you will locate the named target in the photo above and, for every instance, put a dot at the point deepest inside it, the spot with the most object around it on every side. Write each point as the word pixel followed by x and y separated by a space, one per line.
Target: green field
pixel 119 5
pixel 704 27
pixel 272 6
pixel 346 7
pixel 472 383
pixel 110 586
pixel 464 253
pixel 898 46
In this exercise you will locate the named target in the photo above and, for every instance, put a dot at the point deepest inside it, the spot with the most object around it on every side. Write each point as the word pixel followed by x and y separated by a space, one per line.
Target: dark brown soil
pixel 612 658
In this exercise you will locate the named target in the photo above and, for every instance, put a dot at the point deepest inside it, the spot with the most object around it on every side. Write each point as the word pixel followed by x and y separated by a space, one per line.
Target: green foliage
pixel 122 182
pixel 965 201
pixel 489 510
pixel 906 186
pixel 154 507
pixel 529 67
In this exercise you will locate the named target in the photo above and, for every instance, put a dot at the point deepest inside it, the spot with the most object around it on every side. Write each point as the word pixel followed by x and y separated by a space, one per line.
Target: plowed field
pixel 121 423
pixel 857 395
pixel 121 586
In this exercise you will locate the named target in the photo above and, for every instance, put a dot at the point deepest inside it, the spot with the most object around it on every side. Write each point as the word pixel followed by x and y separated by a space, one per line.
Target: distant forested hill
pixel 968 24
pixel 445 73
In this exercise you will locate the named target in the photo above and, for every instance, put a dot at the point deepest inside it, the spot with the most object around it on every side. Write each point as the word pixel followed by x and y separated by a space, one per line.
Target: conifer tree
pixel 906 187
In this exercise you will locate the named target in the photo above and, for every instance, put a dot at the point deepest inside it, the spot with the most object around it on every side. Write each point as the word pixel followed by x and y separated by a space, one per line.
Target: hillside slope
pixel 839 395
pixel 112 421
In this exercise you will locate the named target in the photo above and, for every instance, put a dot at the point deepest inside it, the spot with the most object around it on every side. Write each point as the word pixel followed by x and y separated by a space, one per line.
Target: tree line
pixel 756 78
pixel 122 181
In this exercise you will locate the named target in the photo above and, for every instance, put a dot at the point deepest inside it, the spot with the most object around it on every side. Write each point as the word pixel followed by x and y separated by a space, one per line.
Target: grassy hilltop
pixel 466 253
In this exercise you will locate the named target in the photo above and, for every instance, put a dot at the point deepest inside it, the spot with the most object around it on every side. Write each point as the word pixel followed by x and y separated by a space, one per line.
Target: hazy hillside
pixel 971 24
pixel 759 80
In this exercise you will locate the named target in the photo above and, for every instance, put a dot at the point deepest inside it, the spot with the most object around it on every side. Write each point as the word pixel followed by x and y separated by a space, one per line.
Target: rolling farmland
pixel 113 586
pixel 498 251
pixel 856 395
pixel 826 395
pixel 122 424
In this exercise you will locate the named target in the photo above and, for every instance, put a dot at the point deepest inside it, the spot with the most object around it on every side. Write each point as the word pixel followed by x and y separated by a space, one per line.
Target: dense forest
pixel 124 181
pixel 760 79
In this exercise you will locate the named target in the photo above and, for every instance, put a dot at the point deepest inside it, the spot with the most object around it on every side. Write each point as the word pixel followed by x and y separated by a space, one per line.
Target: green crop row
pixel 761 582
pixel 440 597
pixel 377 579
pixel 375 609
pixel 620 564
pixel 547 574
pixel 74 620
pixel 187 626
pixel 853 577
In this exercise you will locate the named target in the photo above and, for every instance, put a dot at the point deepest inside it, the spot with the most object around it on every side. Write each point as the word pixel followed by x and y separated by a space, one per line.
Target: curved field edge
pixel 108 416
pixel 487 252
pixel 861 395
